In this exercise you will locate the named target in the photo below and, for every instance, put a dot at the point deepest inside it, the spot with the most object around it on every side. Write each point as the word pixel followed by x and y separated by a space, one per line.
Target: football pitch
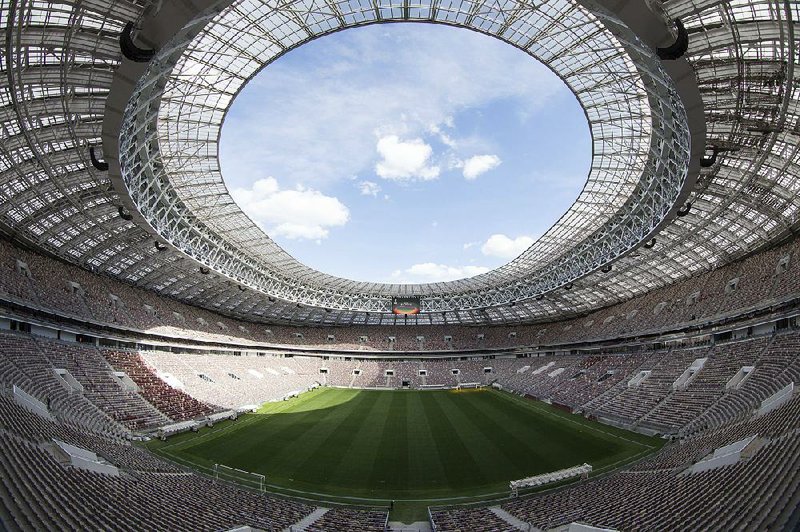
pixel 405 445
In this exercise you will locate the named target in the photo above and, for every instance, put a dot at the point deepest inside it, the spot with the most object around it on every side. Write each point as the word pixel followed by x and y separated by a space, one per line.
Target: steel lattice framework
pixel 60 59
pixel 168 144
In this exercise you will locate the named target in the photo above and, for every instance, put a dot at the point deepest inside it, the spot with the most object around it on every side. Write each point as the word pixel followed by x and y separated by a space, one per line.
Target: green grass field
pixel 405 444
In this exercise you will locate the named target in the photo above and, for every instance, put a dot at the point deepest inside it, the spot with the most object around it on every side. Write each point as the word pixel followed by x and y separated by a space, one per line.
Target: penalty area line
pixel 205 434
pixel 324 497
pixel 247 420
pixel 529 404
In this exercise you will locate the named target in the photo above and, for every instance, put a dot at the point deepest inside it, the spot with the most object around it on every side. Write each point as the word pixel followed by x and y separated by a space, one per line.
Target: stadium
pixel 167 364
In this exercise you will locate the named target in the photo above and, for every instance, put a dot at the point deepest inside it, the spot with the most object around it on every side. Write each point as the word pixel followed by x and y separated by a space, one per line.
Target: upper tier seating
pixel 70 291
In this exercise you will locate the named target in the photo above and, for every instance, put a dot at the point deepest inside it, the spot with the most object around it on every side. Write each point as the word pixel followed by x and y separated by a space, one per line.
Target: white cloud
pixel 433 272
pixel 469 245
pixel 313 124
pixel 443 137
pixel 405 160
pixel 369 188
pixel 299 213
pixel 504 247
pixel 480 164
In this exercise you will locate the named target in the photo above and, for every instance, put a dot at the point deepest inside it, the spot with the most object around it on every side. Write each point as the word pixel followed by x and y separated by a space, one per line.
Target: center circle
pixel 405 153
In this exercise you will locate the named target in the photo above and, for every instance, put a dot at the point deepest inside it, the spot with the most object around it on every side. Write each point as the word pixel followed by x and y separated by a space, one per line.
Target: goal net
pixel 245 478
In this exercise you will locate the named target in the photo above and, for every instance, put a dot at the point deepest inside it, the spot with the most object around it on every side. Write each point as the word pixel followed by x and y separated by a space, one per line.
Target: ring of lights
pixel 168 157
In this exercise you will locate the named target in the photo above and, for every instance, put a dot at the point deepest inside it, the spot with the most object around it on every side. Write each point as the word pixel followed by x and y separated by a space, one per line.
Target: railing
pixel 547 478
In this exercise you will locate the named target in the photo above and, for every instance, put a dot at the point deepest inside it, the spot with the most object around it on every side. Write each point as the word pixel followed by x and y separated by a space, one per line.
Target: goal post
pixel 240 476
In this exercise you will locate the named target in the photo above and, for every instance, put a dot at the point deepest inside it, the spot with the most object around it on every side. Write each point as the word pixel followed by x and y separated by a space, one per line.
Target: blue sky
pixel 405 152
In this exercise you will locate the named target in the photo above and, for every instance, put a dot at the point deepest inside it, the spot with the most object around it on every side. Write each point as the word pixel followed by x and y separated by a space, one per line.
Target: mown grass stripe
pixel 520 447
pixel 278 445
pixel 462 465
pixel 293 458
pixel 361 457
pixel 331 451
pixel 454 456
pixel 285 418
pixel 404 444
pixel 426 460
pixel 600 429
pixel 393 448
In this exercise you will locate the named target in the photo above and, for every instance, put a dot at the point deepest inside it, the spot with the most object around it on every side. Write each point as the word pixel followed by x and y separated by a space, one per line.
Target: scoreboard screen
pixel 405 305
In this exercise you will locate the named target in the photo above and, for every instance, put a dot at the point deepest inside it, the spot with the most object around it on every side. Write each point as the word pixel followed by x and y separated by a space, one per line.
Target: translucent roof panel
pixel 64 57
pixel 636 173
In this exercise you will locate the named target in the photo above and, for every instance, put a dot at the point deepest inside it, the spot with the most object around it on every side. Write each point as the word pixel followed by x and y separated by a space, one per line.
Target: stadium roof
pixel 159 215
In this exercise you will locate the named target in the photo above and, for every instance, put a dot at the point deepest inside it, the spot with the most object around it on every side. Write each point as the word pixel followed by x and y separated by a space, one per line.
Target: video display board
pixel 405 305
